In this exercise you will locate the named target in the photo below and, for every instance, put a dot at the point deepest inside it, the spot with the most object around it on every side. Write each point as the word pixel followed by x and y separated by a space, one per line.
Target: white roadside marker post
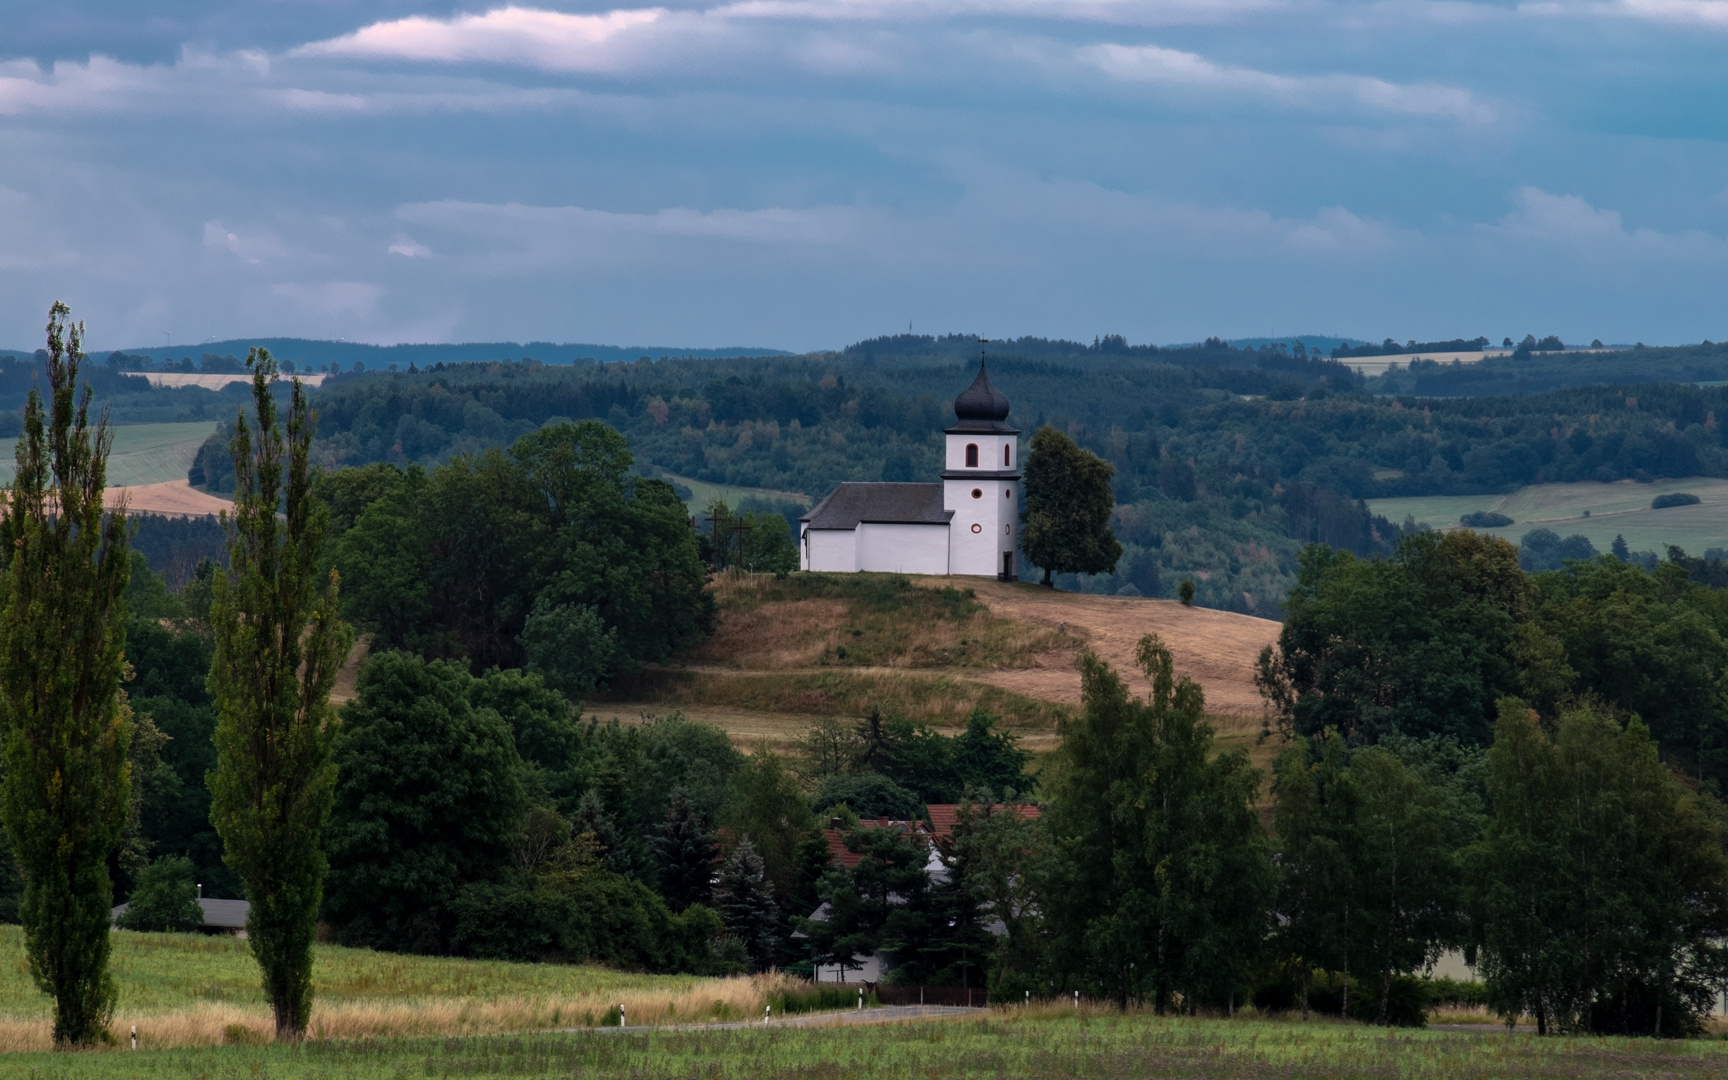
pixel 860 999
pixel 620 1014
pixel 768 1012
pixel 134 1036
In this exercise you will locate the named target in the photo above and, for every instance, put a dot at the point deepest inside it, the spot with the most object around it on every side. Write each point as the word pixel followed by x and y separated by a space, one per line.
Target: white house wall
pixel 833 550
pixel 903 549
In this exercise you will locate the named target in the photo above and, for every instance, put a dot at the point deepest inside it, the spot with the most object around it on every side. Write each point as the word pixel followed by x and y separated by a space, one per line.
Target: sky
pixel 802 174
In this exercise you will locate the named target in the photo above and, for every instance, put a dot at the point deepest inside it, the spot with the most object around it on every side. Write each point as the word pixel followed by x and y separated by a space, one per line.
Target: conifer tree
pixel 747 907
pixel 279 644
pixel 67 729
pixel 686 851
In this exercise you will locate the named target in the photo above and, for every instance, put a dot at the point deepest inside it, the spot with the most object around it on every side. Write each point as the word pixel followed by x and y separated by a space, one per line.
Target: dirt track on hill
pixel 1215 648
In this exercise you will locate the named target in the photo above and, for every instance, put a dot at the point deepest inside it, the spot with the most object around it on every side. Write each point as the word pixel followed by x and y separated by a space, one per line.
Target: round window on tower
pixel 977 494
pixel 977 528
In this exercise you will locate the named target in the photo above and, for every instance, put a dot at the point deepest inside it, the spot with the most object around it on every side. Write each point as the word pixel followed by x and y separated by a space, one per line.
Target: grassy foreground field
pixel 1009 1043
pixel 1620 508
pixel 189 990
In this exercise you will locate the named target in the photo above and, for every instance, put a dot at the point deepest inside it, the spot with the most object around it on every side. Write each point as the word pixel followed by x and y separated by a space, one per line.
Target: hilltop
pixel 787 652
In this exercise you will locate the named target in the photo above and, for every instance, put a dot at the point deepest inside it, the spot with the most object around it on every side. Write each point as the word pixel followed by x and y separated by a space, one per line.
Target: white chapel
pixel 964 525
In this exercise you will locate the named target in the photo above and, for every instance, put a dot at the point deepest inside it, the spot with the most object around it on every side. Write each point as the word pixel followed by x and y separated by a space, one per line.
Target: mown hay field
pixel 1006 1043
pixel 191 990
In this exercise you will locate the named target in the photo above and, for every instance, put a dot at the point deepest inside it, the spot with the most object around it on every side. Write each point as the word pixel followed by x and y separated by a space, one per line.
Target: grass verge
pixel 1011 1043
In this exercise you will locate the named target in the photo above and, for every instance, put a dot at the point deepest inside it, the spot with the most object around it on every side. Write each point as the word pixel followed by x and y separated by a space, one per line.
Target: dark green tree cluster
pixel 165 899
pixel 1147 878
pixel 1370 880
pixel 481 816
pixel 1423 643
pixel 551 553
pixel 1159 883
pixel 887 766
pixel 1599 889
pixel 169 645
pixel 1426 643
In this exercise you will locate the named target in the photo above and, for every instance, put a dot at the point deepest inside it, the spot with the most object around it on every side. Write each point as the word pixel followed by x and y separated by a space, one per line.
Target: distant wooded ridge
pixel 305 351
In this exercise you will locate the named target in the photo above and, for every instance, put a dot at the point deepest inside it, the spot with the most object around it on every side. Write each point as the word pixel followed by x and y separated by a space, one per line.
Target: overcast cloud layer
pixel 804 173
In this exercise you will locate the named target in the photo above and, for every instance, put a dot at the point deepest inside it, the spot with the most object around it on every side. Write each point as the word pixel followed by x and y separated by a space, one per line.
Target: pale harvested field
pixel 206 381
pixel 1217 649
pixel 173 498
pixel 1378 365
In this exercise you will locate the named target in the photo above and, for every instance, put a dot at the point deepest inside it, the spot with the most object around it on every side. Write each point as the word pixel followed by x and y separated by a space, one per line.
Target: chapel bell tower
pixel 980 483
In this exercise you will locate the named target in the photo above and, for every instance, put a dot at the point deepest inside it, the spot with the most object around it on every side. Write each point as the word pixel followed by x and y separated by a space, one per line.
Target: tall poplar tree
pixel 66 726
pixel 279 644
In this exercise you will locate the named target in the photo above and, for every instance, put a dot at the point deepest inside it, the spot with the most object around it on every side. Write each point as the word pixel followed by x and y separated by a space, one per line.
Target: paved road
pixel 885 1014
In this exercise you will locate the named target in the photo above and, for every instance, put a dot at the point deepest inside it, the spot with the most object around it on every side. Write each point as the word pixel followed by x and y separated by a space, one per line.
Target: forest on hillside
pixel 1227 460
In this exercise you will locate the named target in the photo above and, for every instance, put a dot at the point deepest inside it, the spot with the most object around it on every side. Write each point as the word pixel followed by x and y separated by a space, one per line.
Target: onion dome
pixel 981 402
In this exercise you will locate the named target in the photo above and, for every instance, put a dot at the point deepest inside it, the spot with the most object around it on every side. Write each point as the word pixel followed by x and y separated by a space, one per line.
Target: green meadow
pixel 704 493
pixel 145 453
pixel 1009 1043
pixel 1597 511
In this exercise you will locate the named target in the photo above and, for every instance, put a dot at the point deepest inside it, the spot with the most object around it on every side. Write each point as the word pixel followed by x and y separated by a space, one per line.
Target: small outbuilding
pixel 220 916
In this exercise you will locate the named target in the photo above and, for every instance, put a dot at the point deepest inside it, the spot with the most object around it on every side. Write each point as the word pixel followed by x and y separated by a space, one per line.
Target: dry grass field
pixel 190 990
pixel 171 498
pixel 933 648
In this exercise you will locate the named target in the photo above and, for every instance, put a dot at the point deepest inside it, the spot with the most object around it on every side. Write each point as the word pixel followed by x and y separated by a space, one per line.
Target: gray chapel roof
pixel 899 504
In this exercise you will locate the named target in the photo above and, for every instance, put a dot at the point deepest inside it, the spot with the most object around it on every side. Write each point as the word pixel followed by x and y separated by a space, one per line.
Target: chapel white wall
pixel 832 550
pixel 903 548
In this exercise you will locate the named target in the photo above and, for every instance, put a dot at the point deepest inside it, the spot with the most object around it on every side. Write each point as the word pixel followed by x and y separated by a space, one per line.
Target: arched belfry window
pixel 971 455
pixel 1005 461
